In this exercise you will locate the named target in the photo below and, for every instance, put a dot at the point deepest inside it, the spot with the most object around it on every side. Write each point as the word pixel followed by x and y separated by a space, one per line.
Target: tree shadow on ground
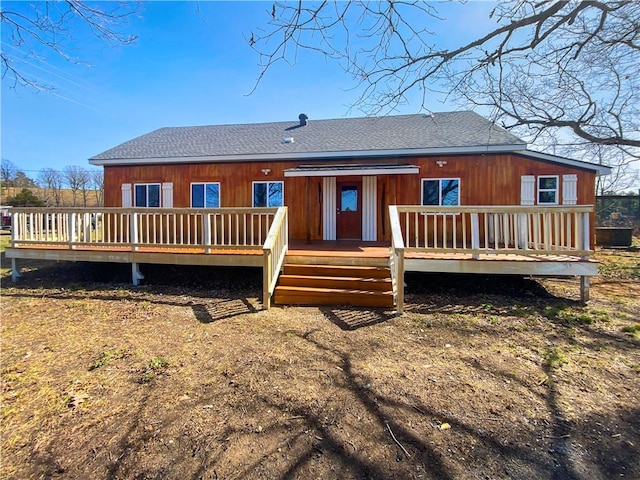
pixel 213 293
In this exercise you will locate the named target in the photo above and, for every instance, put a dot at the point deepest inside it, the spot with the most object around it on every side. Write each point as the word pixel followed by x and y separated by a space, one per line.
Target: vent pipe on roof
pixel 303 119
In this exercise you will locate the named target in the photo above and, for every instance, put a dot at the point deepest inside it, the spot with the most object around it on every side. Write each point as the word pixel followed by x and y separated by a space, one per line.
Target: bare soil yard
pixel 187 378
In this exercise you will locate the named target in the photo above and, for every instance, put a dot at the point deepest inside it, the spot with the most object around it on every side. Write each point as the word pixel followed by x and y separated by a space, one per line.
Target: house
pixel 338 176
pixel 451 184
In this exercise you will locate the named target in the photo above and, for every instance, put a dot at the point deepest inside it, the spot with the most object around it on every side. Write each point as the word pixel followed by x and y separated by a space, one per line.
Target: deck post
pixel 72 229
pixel 584 289
pixel 400 281
pixel 266 280
pixel 136 274
pixel 586 245
pixel 133 230
pixel 206 232
pixel 15 270
pixel 475 234
pixel 523 229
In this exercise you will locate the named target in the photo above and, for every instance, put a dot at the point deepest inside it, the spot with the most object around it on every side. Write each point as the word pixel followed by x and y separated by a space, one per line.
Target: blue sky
pixel 191 65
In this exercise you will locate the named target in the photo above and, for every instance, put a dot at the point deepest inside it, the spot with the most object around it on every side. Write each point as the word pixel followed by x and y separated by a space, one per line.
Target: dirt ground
pixel 185 377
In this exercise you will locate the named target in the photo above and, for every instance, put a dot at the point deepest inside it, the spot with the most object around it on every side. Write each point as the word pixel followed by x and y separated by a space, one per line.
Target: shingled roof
pixel 450 132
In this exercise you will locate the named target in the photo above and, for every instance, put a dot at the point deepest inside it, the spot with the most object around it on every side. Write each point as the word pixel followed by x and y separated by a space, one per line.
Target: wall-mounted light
pixel 266 171
pixel 441 163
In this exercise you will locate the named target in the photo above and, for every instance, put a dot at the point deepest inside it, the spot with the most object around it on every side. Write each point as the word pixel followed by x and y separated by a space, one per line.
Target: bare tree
pixel 34 29
pixel 77 179
pixel 551 68
pixel 8 172
pixel 51 181
pixel 97 185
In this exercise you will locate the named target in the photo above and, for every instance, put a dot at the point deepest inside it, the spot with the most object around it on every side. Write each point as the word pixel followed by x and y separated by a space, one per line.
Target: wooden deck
pixel 473 240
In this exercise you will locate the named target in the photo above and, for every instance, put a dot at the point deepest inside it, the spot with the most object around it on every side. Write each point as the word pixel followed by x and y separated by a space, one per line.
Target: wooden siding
pixel 492 179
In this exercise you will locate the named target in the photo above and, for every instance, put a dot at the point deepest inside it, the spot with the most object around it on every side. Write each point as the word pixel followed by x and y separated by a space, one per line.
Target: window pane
pixel 275 194
pixel 141 196
pixel 259 194
pixel 548 183
pixel 547 197
pixel 154 195
pixel 197 195
pixel 430 192
pixel 349 199
pixel 213 195
pixel 450 192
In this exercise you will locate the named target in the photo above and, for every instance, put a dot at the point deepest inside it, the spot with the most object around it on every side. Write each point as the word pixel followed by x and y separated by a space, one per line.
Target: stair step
pixel 343 283
pixel 287 295
pixel 336 271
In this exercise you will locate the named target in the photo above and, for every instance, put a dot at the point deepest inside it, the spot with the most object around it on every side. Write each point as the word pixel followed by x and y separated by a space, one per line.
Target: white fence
pixel 488 230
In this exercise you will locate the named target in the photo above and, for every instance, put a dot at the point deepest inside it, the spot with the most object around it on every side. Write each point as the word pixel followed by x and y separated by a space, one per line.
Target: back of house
pixel 339 176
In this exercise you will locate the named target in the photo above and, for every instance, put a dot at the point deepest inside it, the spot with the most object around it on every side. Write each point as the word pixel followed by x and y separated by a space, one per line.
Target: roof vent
pixel 287 140
pixel 303 119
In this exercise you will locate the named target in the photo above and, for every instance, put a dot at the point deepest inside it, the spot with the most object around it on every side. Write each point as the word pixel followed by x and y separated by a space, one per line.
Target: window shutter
pixel 167 195
pixel 569 189
pixel 126 195
pixel 527 190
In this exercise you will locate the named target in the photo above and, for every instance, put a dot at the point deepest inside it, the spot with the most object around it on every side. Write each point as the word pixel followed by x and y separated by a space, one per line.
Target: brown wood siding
pixel 484 180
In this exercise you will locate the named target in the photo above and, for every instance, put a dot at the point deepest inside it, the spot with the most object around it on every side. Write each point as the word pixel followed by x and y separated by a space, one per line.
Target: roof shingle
pixel 406 132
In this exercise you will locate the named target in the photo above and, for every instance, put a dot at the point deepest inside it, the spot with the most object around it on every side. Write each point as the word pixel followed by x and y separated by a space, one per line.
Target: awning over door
pixel 356 169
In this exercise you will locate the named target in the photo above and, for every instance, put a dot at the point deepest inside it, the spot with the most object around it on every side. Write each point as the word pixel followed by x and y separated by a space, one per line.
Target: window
pixel 268 194
pixel 349 199
pixel 441 191
pixel 205 195
pixel 548 190
pixel 147 195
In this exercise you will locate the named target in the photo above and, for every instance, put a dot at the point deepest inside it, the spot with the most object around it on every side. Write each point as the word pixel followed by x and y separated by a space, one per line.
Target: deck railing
pixel 177 228
pixel 518 230
pixel 489 230
pixel 207 231
pixel 274 251
pixel 396 259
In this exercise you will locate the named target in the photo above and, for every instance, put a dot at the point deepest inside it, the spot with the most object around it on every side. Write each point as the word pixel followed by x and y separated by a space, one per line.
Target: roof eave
pixel 311 155
pixel 599 169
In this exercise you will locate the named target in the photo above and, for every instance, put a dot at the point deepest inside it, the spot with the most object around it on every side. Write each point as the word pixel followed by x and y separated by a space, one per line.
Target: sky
pixel 190 65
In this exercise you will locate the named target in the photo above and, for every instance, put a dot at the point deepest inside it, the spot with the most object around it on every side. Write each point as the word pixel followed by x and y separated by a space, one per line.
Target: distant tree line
pixel 51 186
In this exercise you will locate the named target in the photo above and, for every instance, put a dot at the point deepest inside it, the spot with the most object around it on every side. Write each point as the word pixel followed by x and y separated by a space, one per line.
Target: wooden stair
pixel 360 286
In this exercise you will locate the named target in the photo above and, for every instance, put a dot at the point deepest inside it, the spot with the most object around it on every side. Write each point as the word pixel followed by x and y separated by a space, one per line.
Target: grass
pixel 169 381
pixel 106 357
pixel 634 330
pixel 555 358
pixel 5 239
pixel 575 315
pixel 155 367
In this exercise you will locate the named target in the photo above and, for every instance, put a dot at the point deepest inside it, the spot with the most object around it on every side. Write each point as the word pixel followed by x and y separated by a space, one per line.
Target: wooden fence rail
pixel 487 230
pixel 501 229
pixel 206 229
pixel 274 251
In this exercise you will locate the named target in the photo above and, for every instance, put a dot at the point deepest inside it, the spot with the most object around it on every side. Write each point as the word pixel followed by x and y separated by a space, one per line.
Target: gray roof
pixel 448 132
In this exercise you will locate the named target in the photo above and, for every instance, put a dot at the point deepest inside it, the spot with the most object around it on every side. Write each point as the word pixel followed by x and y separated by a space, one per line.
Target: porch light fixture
pixel 441 163
pixel 266 171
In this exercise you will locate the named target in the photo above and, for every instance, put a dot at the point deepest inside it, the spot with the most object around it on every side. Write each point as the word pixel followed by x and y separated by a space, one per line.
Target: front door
pixel 349 210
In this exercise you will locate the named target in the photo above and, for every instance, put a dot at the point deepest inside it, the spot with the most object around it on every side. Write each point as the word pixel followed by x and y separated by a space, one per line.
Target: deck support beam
pixel 584 288
pixel 15 270
pixel 136 274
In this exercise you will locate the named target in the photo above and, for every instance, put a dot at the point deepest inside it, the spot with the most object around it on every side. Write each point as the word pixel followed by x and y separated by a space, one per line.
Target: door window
pixel 349 199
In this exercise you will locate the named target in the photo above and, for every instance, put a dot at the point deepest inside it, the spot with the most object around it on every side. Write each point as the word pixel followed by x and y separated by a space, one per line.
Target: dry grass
pixel 187 378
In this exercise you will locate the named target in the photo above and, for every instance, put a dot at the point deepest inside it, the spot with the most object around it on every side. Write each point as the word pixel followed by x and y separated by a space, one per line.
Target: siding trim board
pixel 338 170
pixel 329 210
pixel 369 217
